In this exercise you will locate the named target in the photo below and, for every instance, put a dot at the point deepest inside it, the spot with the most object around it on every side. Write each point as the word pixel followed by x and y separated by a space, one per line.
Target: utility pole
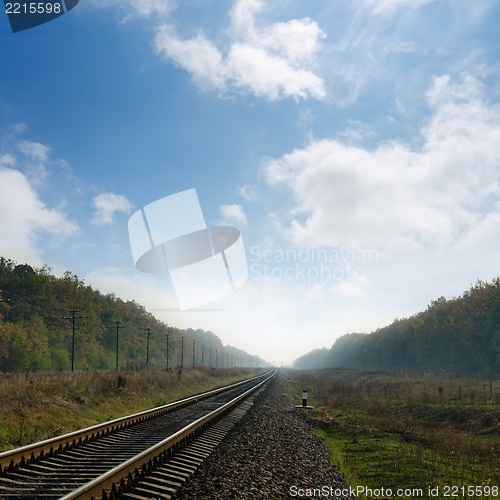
pixel 194 342
pixel 210 356
pixel 202 353
pixel 147 349
pixel 215 358
pixel 182 351
pixel 117 326
pixel 73 317
pixel 167 351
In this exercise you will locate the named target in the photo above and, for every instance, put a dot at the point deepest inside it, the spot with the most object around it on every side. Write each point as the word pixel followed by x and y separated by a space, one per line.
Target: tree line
pixel 36 328
pixel 460 335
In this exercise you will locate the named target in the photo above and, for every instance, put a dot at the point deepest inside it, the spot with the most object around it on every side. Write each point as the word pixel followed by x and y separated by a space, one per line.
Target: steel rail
pixel 95 488
pixel 20 455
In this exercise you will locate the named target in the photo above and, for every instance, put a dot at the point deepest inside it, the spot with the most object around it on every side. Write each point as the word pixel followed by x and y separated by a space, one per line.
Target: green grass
pixel 397 431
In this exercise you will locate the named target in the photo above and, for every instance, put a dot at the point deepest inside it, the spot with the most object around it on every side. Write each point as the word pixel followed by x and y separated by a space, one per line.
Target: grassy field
pixel 36 406
pixel 433 435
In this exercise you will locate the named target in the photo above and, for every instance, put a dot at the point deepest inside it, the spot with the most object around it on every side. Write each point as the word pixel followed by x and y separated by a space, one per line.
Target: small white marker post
pixel 304 400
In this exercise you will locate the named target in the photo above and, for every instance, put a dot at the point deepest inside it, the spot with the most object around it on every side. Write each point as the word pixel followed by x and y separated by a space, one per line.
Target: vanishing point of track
pixel 145 455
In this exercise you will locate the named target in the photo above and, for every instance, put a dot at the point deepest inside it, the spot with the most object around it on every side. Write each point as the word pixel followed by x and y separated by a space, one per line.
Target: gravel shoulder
pixel 271 453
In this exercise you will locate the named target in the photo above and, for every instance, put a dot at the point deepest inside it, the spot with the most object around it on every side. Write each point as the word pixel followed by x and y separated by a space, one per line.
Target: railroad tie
pixel 169 477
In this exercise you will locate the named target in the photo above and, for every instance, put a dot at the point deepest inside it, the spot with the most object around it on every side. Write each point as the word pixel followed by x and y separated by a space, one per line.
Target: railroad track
pixel 145 455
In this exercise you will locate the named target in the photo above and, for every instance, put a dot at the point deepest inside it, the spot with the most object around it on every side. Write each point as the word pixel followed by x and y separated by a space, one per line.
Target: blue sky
pixel 355 144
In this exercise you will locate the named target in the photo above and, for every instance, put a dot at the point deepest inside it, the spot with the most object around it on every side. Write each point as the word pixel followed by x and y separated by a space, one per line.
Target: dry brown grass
pixel 36 406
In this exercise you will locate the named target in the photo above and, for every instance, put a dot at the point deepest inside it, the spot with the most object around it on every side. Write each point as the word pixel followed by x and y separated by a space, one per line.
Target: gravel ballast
pixel 272 453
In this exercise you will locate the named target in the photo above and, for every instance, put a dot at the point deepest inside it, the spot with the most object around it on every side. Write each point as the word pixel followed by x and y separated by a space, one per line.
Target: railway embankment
pixel 272 453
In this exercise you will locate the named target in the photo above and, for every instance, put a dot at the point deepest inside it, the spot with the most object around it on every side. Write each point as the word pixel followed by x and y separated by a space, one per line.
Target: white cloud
pixel 7 160
pixel 385 6
pixel 35 159
pixel 272 77
pixel 107 205
pixel 196 55
pixel 27 224
pixel 243 15
pixel 357 132
pixel 396 195
pixel 18 128
pixel 295 40
pixel 132 9
pixel 248 193
pixel 273 61
pixel 24 218
pixel 34 150
pixel 398 47
pixel 233 214
pixel 150 7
